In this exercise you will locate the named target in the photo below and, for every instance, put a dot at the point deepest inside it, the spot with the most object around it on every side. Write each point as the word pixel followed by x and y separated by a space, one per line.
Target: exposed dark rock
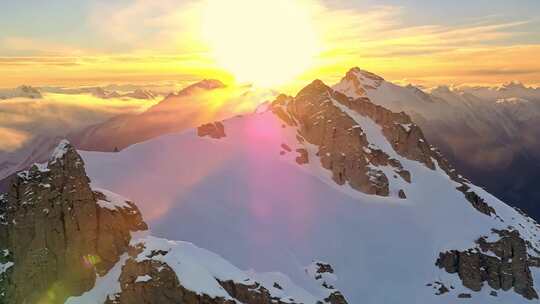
pixel 343 146
pixel 302 157
pixel 215 130
pixel 321 272
pixel 439 288
pixel 442 290
pixel 286 147
pixel 165 287
pixel 405 136
pixel 503 264
pixel 336 298
pixel 476 201
pixel 402 194
pixel 57 235
pixel 464 296
pixel 324 268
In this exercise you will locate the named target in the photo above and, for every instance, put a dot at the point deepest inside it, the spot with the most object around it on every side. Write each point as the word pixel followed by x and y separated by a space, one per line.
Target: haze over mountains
pixel 327 198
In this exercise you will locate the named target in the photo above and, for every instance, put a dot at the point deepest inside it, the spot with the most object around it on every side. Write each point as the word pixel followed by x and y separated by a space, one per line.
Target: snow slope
pixel 245 198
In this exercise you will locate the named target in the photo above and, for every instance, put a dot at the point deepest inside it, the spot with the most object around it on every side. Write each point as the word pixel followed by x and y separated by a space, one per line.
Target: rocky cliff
pixel 57 234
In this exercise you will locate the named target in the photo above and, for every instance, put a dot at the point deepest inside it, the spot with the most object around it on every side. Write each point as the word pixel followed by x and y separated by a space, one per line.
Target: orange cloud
pixel 12 139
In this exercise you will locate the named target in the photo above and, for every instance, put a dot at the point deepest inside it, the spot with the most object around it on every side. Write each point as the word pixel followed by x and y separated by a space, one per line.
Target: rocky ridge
pixel 162 271
pixel 55 235
pixel 503 263
pixel 329 120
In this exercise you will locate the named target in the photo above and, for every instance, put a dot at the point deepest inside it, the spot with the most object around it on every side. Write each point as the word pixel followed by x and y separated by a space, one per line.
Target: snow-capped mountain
pixel 24 91
pixel 316 198
pixel 321 176
pixel 105 92
pixel 490 134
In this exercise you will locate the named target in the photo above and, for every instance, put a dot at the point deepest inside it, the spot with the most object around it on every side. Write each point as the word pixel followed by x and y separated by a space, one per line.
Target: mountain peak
pixel 358 72
pixel 316 87
pixel 205 84
pixel 357 82
pixel 512 85
pixel 53 218
pixel 24 91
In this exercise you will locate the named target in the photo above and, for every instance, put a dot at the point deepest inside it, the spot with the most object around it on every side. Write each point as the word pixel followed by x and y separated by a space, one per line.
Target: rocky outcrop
pixel 303 156
pixel 405 136
pixel 343 147
pixel 323 273
pixel 56 235
pixel 476 201
pixel 145 278
pixel 214 130
pixel 503 264
pixel 160 286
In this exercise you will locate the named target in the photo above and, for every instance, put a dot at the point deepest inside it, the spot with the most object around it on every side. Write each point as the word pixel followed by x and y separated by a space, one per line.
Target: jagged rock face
pixel 476 201
pixel 160 284
pixel 214 130
pixel 343 146
pixel 405 136
pixel 163 287
pixel 56 234
pixel 503 264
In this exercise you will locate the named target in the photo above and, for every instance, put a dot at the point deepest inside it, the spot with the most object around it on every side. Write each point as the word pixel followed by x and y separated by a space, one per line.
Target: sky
pixel 276 43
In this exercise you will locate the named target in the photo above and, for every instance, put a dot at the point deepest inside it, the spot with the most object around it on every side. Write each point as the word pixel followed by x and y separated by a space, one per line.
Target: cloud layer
pixel 22 119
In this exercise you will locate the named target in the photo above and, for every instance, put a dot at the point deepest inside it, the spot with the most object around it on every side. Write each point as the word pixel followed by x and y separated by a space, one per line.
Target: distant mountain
pixel 37 150
pixel 104 92
pixel 194 105
pixel 21 91
pixel 490 134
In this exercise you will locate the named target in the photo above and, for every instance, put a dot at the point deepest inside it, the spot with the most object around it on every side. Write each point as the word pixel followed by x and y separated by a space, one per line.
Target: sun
pixel 264 42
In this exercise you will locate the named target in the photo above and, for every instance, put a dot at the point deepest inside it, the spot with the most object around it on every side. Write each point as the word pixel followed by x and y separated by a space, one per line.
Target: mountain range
pixel 488 133
pixel 329 196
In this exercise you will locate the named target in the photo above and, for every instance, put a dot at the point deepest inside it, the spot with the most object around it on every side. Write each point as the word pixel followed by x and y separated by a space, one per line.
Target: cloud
pixel 12 139
pixel 22 119
pixel 503 72
pixel 33 46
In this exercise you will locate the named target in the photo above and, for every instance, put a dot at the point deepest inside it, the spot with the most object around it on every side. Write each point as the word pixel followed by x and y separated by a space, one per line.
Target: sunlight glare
pixel 259 41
